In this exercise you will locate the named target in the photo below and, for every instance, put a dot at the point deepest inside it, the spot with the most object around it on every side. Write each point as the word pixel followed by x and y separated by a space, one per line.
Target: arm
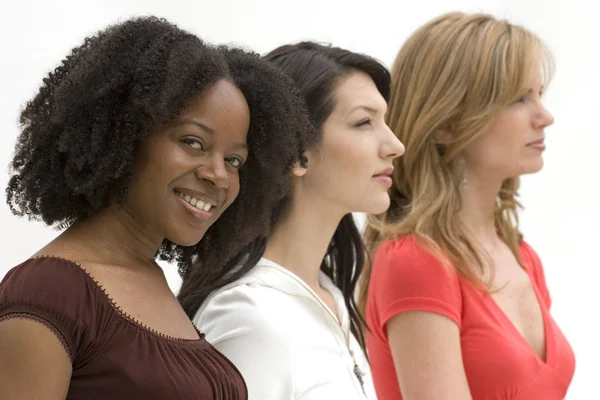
pixel 33 362
pixel 240 323
pixel 427 356
pixel 416 307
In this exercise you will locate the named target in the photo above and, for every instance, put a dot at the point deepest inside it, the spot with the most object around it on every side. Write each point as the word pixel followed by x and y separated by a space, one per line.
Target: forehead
pixel 534 78
pixel 221 110
pixel 357 89
pixel 219 100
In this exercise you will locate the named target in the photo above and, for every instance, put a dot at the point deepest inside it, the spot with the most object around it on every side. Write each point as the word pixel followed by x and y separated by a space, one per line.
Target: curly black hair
pixel 74 155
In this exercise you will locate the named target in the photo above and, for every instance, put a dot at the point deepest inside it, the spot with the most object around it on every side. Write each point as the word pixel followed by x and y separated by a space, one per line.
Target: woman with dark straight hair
pixel 283 310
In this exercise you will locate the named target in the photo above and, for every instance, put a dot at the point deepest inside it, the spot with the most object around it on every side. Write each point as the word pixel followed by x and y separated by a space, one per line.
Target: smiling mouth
pixel 194 202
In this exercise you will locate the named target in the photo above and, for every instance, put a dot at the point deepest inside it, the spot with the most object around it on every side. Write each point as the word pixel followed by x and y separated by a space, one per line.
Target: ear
pixel 298 170
pixel 443 136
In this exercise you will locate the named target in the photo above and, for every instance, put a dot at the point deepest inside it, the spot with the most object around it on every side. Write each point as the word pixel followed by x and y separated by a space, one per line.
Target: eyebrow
pixel 198 124
pixel 369 109
pixel 531 90
pixel 209 130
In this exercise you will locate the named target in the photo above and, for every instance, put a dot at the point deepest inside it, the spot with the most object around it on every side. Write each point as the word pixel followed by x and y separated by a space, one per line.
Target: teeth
pixel 195 202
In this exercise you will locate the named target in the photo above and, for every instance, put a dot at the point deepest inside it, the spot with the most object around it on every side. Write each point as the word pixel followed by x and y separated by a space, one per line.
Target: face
pixel 350 168
pixel 514 143
pixel 186 173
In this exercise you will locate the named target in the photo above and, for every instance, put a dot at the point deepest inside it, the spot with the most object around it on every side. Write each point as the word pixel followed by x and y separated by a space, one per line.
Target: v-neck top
pixel 499 363
pixel 287 343
pixel 113 355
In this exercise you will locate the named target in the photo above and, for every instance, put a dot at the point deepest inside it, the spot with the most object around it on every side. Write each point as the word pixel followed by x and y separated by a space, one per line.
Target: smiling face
pixel 350 168
pixel 514 143
pixel 186 173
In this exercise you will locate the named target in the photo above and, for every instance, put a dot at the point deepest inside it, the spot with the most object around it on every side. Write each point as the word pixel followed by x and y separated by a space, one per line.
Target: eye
pixel 235 162
pixel 193 143
pixel 364 122
pixel 521 99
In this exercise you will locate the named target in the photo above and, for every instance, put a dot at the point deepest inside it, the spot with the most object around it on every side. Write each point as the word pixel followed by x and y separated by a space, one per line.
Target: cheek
pixel 350 155
pixel 234 189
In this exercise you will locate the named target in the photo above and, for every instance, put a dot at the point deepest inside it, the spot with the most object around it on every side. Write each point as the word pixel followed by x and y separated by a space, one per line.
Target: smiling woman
pixel 187 172
pixel 143 142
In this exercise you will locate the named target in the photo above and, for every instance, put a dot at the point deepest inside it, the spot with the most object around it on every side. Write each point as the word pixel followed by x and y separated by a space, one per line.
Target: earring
pixel 460 172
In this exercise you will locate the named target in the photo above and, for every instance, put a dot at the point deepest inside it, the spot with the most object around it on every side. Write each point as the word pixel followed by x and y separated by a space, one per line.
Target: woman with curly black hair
pixel 288 320
pixel 145 142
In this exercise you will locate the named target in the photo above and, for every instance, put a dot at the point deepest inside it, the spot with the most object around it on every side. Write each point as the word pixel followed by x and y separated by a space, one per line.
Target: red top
pixel 113 356
pixel 498 362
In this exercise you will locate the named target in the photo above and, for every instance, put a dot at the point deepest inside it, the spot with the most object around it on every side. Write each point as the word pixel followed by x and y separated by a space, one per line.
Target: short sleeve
pixel 53 292
pixel 534 264
pixel 406 277
pixel 236 321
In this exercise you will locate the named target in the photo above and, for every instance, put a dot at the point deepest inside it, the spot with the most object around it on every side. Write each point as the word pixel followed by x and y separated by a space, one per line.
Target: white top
pixel 284 340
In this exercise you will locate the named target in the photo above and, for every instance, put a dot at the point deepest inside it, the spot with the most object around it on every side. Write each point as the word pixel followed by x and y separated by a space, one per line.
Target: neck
pixel 114 235
pixel 478 197
pixel 301 237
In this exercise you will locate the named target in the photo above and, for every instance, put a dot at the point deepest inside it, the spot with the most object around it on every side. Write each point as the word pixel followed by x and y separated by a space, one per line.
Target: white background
pixel 562 213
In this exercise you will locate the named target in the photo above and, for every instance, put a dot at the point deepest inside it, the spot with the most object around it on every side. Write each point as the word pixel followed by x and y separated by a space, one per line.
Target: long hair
pixel 316 69
pixel 453 75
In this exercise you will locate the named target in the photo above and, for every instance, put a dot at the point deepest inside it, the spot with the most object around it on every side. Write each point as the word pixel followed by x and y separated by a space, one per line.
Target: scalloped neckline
pixel 121 313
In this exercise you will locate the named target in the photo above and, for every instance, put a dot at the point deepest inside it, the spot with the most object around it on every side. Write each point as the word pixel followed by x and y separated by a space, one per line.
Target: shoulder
pixel 412 260
pixel 266 289
pixel 529 255
pixel 531 261
pixel 533 264
pixel 45 279
pixel 406 276
pixel 410 249
pixel 55 292
pixel 248 323
pixel 246 305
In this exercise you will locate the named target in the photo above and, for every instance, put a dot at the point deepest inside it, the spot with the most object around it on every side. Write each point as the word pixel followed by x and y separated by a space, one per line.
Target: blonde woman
pixel 457 304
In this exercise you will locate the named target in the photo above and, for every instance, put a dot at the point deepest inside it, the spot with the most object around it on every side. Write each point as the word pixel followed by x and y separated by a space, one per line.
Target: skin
pixel 199 152
pixel 432 342
pixel 340 178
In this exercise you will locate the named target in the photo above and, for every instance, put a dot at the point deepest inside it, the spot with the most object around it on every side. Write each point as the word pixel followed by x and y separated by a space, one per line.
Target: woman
pixel 288 320
pixel 138 144
pixel 457 304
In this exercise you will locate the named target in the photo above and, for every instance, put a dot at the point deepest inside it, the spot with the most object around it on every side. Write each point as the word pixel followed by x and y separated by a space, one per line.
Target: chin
pixel 533 167
pixel 378 206
pixel 186 239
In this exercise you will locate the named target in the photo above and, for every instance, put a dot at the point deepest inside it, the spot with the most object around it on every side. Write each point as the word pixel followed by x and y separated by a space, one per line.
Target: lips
pixel 537 145
pixel 198 204
pixel 384 176
pixel 537 142
pixel 386 172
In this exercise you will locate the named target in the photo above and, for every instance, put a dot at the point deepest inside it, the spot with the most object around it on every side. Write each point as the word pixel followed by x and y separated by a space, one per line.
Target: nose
pixel 544 117
pixel 215 172
pixel 391 147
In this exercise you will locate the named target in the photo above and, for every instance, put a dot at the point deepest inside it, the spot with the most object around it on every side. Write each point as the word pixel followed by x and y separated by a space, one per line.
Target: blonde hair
pixel 453 75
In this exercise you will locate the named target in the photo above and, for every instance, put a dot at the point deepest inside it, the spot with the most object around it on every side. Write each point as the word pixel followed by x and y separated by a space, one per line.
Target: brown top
pixel 113 356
